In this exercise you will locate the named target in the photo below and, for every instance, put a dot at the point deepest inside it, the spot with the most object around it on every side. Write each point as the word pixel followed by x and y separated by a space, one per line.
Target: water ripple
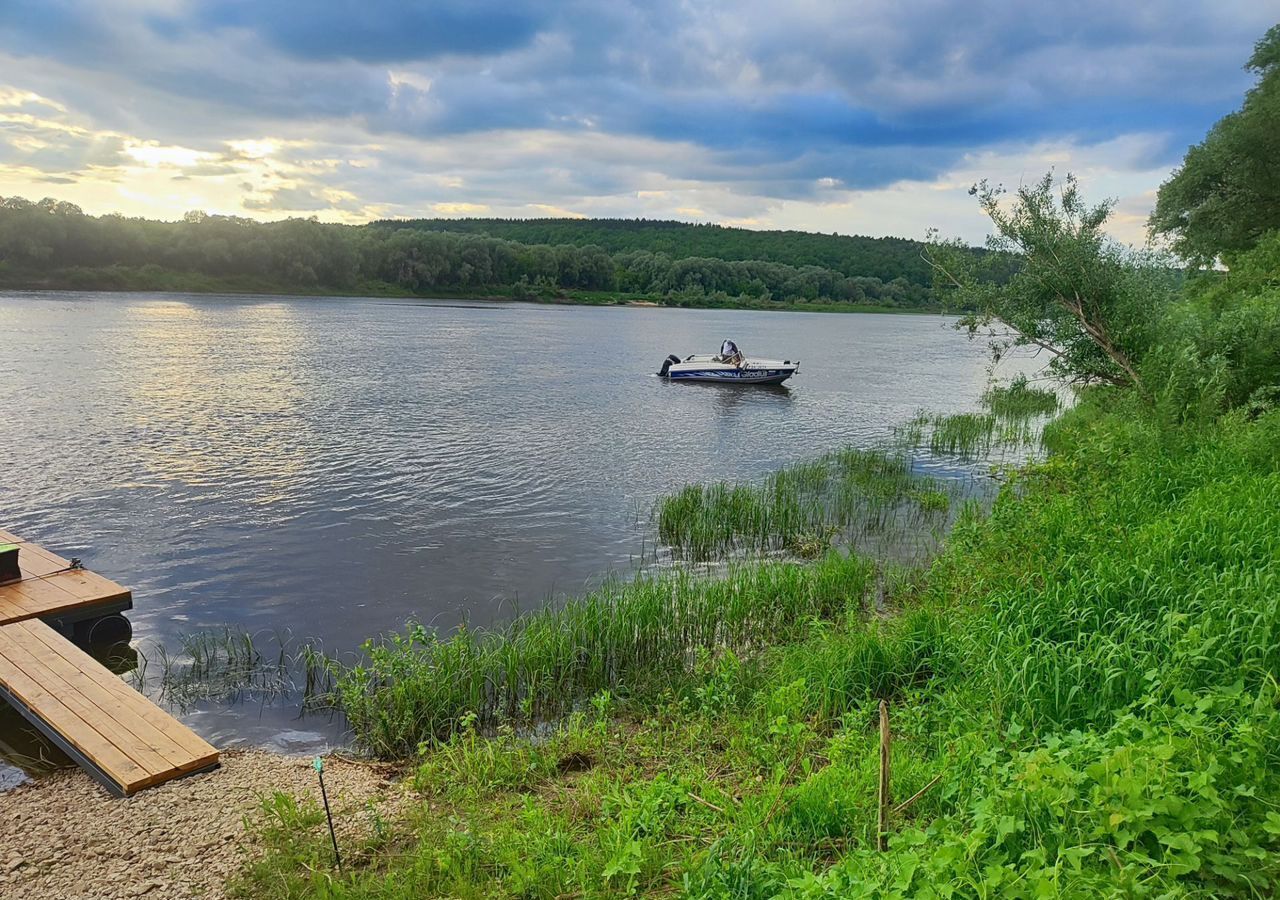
pixel 338 466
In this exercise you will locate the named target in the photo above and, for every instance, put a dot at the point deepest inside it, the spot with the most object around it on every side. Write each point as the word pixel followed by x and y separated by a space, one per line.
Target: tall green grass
pixel 1020 400
pixel 633 638
pixel 1011 421
pixel 226 664
pixel 1156 569
pixel 968 436
pixel 843 669
pixel 849 496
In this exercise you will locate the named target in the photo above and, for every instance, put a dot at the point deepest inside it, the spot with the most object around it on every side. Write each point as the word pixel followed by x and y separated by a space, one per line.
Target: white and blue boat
pixel 728 370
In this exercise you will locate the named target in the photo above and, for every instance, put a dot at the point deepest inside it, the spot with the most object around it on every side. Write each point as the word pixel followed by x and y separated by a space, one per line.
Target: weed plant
pixel 226 664
pixel 1020 400
pixel 637 638
pixel 1014 416
pixel 851 496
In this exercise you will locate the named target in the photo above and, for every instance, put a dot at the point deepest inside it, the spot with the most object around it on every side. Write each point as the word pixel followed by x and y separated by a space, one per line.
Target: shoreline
pixel 62 835
pixel 620 300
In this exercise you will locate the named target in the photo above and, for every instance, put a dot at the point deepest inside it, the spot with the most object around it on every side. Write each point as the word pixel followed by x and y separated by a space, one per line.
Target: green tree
pixel 1226 194
pixel 1090 302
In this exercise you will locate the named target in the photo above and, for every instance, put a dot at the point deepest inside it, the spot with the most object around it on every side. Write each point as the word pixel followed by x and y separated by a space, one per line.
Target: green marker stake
pixel 319 767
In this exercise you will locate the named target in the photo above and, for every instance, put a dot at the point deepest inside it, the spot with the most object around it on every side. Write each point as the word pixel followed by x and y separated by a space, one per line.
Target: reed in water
pixel 848 496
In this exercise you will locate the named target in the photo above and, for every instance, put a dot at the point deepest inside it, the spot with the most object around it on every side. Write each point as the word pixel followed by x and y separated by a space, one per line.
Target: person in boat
pixel 730 353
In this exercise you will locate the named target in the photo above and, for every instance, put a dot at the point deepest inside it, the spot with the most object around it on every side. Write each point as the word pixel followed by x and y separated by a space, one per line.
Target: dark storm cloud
pixel 376 30
pixel 777 95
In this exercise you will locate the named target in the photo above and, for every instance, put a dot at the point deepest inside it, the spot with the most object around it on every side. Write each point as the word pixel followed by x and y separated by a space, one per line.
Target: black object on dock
pixel 9 570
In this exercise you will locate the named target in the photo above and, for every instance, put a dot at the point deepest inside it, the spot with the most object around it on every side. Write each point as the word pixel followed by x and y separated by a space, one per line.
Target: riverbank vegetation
pixel 1082 683
pixel 1009 425
pixel 54 245
pixel 851 496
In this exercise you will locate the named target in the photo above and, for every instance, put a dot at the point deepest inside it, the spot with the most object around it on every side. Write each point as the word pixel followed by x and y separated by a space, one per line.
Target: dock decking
pixel 51 588
pixel 117 735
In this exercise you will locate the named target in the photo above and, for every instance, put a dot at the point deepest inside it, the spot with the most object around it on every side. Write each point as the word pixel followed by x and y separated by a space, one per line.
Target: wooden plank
pixel 86 586
pixel 182 746
pixel 25 599
pixel 883 795
pixel 34 565
pixel 60 722
pixel 20 604
pixel 43 592
pixel 118 735
pixel 59 593
pixel 120 767
pixel 49 587
pixel 133 742
pixel 91 717
pixel 116 711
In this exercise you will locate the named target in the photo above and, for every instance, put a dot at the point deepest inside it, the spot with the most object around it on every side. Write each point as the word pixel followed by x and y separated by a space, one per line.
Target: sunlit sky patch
pixel 869 118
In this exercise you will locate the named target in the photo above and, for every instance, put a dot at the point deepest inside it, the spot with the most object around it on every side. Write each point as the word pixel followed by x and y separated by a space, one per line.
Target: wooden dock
pixel 52 588
pixel 117 735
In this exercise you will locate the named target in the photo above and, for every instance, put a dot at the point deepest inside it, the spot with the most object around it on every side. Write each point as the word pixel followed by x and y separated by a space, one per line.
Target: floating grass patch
pixel 635 638
pixel 848 495
pixel 965 434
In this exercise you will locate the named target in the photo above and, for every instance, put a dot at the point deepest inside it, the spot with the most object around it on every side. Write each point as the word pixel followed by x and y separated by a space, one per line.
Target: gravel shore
pixel 64 838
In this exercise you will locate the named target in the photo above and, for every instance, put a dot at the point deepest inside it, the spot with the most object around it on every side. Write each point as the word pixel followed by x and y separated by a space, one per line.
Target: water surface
pixel 335 467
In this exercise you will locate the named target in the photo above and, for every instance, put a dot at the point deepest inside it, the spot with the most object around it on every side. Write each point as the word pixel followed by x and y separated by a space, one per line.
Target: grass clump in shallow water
pixel 847 495
pixel 636 638
pixel 1019 400
pixel 1014 416
pixel 224 664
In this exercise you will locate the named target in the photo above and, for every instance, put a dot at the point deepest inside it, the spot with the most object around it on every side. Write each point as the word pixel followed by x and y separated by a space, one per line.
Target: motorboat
pixel 736 369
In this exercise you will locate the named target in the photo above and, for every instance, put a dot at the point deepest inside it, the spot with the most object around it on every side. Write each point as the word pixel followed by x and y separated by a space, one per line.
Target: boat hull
pixel 731 377
pixel 769 372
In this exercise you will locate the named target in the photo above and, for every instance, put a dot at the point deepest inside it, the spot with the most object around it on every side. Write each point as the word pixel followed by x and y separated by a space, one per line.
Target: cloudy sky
pixel 858 117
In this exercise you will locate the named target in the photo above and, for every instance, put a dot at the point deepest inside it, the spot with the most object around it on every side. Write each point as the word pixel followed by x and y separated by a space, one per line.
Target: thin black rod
pixel 328 815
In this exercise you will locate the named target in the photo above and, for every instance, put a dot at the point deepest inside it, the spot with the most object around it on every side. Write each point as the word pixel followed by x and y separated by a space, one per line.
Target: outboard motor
pixel 666 365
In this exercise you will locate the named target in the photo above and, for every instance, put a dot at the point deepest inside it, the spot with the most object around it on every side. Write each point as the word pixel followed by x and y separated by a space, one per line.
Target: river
pixel 333 467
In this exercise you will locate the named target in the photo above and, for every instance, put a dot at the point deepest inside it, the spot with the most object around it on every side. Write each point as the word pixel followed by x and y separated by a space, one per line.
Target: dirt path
pixel 64 838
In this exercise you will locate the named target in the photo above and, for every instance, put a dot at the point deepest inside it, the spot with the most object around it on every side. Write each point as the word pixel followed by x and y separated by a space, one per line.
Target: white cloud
pixel 154 155
pixel 459 209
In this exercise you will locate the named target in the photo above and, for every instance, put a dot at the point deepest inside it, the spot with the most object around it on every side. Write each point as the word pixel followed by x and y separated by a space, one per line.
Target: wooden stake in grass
pixel 882 826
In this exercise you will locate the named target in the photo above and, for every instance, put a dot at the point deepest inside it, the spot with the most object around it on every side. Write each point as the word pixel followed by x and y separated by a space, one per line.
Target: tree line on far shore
pixel 52 243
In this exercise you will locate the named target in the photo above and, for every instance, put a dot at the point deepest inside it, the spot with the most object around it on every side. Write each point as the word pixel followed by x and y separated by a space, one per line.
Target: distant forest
pixel 883 258
pixel 54 244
